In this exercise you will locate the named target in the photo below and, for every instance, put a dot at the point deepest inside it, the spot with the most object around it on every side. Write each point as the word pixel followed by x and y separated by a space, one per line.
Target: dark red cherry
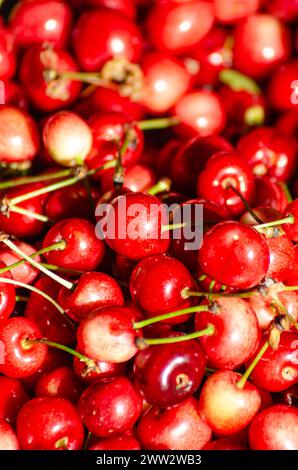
pixel 235 255
pixel 110 408
pixel 53 93
pixel 104 370
pixel 93 290
pixel 275 428
pixel 233 11
pixel 8 438
pixel 12 398
pixel 7 296
pixel 286 10
pixel 14 95
pixel 223 172
pixel 101 34
pixel 178 29
pixel 262 41
pixel 50 424
pixel 287 123
pixel 20 359
pixel 269 193
pixel 292 229
pixel 173 428
pixel 121 442
pixel 236 336
pixel 7 54
pixel 277 369
pixel 39 21
pixel 26 272
pixel 59 383
pixel 169 373
pixel 125 7
pixel 123 267
pixel 282 257
pixel 108 335
pixel 281 88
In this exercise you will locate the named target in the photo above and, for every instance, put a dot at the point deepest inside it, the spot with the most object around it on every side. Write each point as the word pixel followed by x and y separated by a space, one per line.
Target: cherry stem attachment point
pixel 141 342
pixel 241 383
pixel 283 309
pixel 168 316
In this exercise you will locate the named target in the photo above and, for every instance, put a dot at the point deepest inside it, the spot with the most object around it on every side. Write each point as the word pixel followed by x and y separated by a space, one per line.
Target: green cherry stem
pixel 35 179
pixel 241 383
pixel 21 298
pixel 168 316
pixel 32 215
pixel 287 220
pixel 163 185
pixel 286 191
pixel 141 342
pixel 186 293
pixel 159 123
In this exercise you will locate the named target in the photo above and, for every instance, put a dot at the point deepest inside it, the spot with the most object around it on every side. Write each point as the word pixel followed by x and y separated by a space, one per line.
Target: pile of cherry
pixel 138 342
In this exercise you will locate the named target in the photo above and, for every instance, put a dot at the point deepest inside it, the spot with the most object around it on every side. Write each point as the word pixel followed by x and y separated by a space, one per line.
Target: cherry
pixel 235 255
pixel 292 229
pixel 172 428
pixel 224 444
pixel 14 95
pixel 268 153
pixel 283 79
pixel 232 12
pixel 282 257
pixel 178 29
pixel 8 438
pixel 226 407
pixel 270 194
pixel 103 371
pixel 19 136
pixel 287 123
pixel 138 178
pixel 20 360
pixel 125 7
pixel 59 383
pixel 290 396
pixel 168 374
pixel 236 335
pixel 286 10
pixel 165 81
pixel 108 335
pixel 134 226
pixel 121 442
pixel 49 424
pixel 67 138
pixel 224 172
pixel 191 158
pixel 51 324
pixel 12 398
pixel 46 89
pixel 200 112
pixel 261 43
pixel 93 290
pixel 7 296
pixel 123 267
pixel 110 408
pixel 277 369
pixel 26 272
pixel 102 34
pixel 275 428
pixel 7 54
pixel 264 214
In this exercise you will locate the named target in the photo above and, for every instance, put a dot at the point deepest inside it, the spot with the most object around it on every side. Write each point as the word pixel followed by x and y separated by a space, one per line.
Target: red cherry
pixel 269 153
pixel 56 93
pixel 286 10
pixel 200 113
pixel 104 370
pixel 20 359
pixel 26 272
pixel 261 43
pixel 93 290
pixel 125 7
pixel 123 267
pixel 59 383
pixel 173 428
pixel 110 408
pixel 121 442
pixel 281 87
pixel 227 408
pixel 224 444
pixel 7 296
pixel 270 194
pixel 223 172
pixel 277 369
pixel 41 21
pixel 236 336
pixel 108 335
pixel 235 255
pixel 292 229
pixel 49 424
pixel 168 374
pixel 14 95
pixel 100 35
pixel 8 438
pixel 19 140
pixel 233 11
pixel 282 257
pixel 266 214
pixel 12 398
pixel 287 123
pixel 138 178
pixel 276 428
pixel 179 28
pixel 7 54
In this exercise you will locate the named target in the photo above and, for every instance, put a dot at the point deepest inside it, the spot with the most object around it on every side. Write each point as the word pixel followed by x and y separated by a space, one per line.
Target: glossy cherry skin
pixel 156 285
pixel 7 296
pixel 133 226
pixel 83 251
pixel 268 153
pixel 168 374
pixel 138 178
pixel 276 428
pixel 108 335
pixel 224 444
pixel 93 290
pixel 172 428
pixel 101 34
pixel 261 43
pixel 227 408
pixel 19 135
pixel 282 257
pixel 233 11
pixel 26 272
pixel 110 408
pixel 8 438
pixel 269 193
pixel 41 21
pixel 105 370
pixel 236 336
pixel 12 398
pixel 56 94
pixel 121 442
pixel 50 322
pixel 59 383
pixel 20 360
pixel 277 369
pixel 235 255
pixel 223 170
pixel 200 113
pixel 292 229
pixel 190 159
pixel 50 424
pixel 281 89
pixel 7 54
pixel 177 29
